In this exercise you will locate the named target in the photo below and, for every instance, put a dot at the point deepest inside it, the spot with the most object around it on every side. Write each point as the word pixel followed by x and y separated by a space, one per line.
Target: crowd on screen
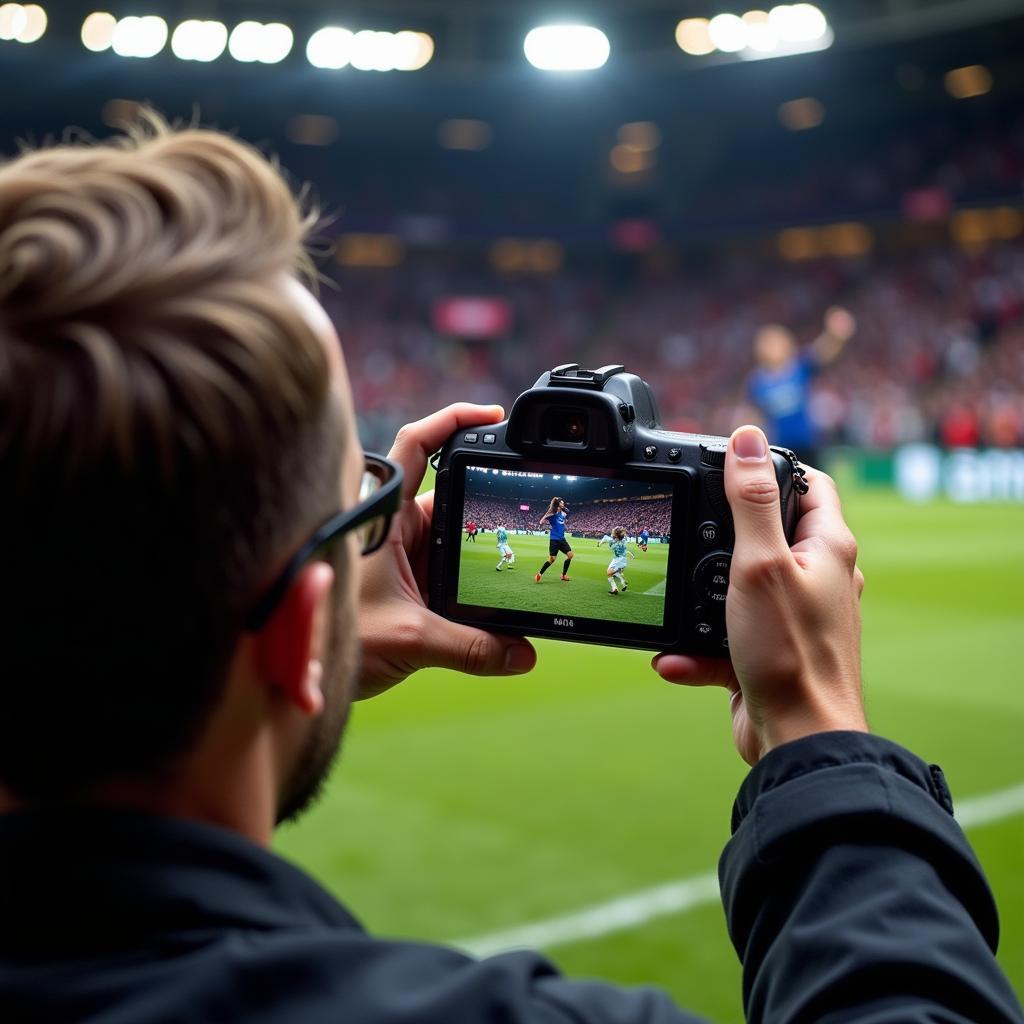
pixel 939 352
pixel 591 518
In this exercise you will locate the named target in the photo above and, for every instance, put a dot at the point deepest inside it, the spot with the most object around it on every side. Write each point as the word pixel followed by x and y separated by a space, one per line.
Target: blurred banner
pixel 922 472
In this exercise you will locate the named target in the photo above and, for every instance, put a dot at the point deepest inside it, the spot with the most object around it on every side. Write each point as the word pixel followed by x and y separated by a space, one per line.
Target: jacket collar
pixel 89 878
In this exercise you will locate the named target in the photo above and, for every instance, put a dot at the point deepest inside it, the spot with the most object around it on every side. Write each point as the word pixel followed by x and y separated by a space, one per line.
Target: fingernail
pixel 749 445
pixel 519 658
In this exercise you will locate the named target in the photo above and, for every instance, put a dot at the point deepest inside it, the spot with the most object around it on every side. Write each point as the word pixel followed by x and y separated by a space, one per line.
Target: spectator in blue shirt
pixel 780 385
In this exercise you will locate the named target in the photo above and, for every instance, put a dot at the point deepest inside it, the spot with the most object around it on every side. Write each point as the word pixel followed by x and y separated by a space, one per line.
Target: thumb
pixel 474 651
pixel 753 494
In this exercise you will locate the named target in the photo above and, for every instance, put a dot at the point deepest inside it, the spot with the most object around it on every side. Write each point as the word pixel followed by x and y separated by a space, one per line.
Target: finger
pixel 416 442
pixel 821 518
pixel 753 494
pixel 694 671
pixel 447 644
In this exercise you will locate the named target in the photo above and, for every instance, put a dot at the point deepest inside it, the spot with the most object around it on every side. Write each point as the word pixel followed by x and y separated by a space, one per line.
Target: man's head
pixel 774 346
pixel 174 420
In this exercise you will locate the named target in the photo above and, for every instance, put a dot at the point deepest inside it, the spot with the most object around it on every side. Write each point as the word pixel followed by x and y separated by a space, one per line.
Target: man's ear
pixel 289 648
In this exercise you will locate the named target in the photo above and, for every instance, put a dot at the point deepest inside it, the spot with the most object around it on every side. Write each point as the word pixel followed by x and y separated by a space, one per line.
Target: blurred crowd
pixel 938 354
pixel 594 518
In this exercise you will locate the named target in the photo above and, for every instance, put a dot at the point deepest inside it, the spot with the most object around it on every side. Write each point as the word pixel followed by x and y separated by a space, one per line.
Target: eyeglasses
pixel 380 495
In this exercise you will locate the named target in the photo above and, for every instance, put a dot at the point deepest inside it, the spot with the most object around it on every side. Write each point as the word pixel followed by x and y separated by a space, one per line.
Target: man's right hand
pixel 793 614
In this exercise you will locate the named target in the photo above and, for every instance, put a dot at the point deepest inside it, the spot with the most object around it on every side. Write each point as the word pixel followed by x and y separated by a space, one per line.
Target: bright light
pixel 22 23
pixel 964 83
pixel 35 24
pixel 139 37
pixel 798 23
pixel 330 48
pixel 693 38
pixel 413 50
pixel 98 31
pixel 277 43
pixel 333 48
pixel 373 51
pixel 13 20
pixel 566 47
pixel 728 33
pixel 761 34
pixel 253 41
pixel 199 40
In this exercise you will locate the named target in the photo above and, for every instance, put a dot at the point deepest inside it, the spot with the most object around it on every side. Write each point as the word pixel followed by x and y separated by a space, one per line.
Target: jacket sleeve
pixel 852 895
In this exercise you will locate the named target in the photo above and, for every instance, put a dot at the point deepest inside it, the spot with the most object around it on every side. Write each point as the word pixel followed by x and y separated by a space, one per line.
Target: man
pixel 185 509
pixel 643 539
pixel 471 530
pixel 780 385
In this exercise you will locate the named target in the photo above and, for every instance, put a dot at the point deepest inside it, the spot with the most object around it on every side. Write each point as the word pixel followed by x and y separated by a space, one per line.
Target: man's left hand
pixel 399 634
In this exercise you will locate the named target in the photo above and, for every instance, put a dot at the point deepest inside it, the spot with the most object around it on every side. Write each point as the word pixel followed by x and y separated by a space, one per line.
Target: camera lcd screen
pixel 599 544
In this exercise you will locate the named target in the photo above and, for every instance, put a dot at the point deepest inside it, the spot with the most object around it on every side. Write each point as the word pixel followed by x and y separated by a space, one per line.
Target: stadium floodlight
pixel 330 47
pixel 728 32
pixel 566 47
pixel 252 41
pixel 373 51
pixel 22 23
pixel 762 36
pixel 333 47
pixel 692 37
pixel 199 40
pixel 98 31
pixel 413 50
pixel 139 37
pixel 798 23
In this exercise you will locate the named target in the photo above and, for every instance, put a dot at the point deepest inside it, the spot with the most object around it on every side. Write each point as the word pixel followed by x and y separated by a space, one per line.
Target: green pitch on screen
pixel 586 594
pixel 464 805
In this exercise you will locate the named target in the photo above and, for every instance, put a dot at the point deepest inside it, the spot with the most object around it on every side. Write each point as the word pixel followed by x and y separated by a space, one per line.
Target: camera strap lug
pixel 800 484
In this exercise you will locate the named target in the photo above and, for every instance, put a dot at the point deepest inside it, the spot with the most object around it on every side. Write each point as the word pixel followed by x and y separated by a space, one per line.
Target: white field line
pixel 658 590
pixel 635 909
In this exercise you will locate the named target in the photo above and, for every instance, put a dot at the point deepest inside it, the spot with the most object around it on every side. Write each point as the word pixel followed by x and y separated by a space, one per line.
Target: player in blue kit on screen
pixel 557 543
pixel 643 539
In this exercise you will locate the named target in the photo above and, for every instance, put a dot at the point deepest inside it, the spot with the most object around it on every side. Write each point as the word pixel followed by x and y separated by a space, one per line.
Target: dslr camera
pixel 581 518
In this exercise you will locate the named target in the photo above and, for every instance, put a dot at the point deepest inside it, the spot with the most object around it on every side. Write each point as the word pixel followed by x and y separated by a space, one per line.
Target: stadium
pixel 517 502
pixel 655 184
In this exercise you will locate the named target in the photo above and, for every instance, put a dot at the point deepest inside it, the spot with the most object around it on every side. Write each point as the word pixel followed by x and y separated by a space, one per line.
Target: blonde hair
pixel 141 267
pixel 167 433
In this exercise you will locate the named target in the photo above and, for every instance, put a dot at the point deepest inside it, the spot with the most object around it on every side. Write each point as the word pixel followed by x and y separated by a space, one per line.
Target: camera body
pixel 591 440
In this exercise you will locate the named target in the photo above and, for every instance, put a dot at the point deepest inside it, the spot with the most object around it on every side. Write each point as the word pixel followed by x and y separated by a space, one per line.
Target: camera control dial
pixel 711 579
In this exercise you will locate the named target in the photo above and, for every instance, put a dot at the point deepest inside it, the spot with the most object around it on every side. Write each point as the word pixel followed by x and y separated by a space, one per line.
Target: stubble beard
pixel 305 785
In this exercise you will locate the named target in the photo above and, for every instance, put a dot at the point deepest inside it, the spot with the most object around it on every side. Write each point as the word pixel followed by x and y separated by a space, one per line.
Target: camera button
pixel 490 438
pixel 712 579
pixel 471 438
pixel 704 629
pixel 650 451
pixel 675 454
pixel 709 532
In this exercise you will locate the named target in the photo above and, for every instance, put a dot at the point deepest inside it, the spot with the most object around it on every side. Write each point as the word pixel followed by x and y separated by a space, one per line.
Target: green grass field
pixel 463 806
pixel 586 593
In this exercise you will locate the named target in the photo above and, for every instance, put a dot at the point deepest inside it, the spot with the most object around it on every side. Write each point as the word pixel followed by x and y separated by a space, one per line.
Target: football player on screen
pixel 557 513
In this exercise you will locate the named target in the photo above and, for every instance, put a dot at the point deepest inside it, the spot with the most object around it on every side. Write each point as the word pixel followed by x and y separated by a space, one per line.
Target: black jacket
pixel 851 895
